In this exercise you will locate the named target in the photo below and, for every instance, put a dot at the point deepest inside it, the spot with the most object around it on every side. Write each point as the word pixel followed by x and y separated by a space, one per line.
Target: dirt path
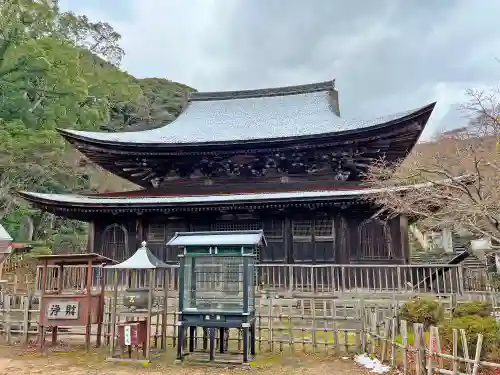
pixel 20 362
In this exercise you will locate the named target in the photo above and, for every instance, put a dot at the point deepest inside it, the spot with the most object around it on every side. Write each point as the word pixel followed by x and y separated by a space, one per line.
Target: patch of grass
pixel 77 362
pixel 411 338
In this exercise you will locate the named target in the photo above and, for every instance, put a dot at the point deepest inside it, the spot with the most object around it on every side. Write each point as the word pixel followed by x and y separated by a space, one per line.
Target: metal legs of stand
pixel 180 342
pixel 248 334
pixel 209 341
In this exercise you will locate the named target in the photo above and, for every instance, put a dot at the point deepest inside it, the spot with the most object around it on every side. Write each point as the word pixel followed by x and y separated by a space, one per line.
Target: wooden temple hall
pixel 280 159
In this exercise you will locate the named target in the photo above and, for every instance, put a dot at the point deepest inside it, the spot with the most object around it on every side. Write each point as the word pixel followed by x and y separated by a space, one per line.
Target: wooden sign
pixel 64 310
pixel 127 335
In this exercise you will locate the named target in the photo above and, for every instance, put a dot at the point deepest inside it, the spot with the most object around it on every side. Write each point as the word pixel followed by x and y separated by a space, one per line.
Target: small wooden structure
pixel 217 289
pixel 74 307
pixel 140 306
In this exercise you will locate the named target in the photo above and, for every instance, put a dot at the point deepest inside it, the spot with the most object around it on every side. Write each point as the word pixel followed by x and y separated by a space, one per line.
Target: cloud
pixel 387 55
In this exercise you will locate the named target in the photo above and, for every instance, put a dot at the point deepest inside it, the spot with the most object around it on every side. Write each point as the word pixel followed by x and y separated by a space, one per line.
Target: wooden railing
pixel 283 279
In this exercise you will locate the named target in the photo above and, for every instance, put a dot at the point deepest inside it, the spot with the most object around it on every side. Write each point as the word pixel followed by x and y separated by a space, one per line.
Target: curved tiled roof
pixel 251 115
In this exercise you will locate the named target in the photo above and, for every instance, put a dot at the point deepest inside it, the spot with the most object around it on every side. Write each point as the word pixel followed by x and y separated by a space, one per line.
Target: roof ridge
pixel 265 92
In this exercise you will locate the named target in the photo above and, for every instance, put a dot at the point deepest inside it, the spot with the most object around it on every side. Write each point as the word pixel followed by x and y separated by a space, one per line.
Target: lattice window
pixel 323 228
pixel 273 228
pixel 115 242
pixel 156 232
pixel 303 248
pixel 373 241
pixel 235 225
pixel 275 250
pixel 302 228
pixel 174 226
pixel 313 240
pixel 200 226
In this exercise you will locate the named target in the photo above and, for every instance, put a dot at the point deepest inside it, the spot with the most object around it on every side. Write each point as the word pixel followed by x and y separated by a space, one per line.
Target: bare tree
pixel 447 199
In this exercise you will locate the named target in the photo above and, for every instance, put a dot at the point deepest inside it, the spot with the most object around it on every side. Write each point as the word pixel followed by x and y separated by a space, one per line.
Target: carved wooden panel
pixel 340 164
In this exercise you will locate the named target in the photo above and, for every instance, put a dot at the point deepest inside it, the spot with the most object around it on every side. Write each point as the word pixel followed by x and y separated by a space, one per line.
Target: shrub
pixel 37 251
pixel 480 308
pixel 473 325
pixel 421 310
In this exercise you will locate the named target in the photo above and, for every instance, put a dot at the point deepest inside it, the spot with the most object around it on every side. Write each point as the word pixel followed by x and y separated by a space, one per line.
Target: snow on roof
pixel 218 118
pixel 83 200
pixel 220 198
pixel 219 238
pixel 4 235
pixel 143 258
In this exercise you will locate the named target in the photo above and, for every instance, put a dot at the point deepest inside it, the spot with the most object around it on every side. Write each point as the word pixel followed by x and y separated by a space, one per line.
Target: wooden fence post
pixel 432 349
pixel 8 317
pixel 438 346
pixel 477 357
pixel 373 331
pixel 362 317
pixel 393 341
pixel 385 338
pixel 465 349
pixel 404 336
pixel 455 351
pixel 314 325
pixel 418 334
pixel 270 318
pixel 26 317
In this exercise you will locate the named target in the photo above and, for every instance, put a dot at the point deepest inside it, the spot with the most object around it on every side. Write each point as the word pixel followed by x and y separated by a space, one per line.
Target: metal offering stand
pixel 75 307
pixel 217 292
pixel 139 307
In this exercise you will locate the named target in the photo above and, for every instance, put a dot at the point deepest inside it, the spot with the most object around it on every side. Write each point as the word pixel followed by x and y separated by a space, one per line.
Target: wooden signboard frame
pixel 70 308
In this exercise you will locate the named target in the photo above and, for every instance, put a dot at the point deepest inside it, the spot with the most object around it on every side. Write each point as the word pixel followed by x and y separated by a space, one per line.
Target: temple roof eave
pixel 391 142
pixel 68 204
pixel 77 200
pixel 93 139
pixel 79 206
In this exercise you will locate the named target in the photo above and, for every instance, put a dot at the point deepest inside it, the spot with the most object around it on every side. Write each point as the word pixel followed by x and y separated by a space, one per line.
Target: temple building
pixel 280 159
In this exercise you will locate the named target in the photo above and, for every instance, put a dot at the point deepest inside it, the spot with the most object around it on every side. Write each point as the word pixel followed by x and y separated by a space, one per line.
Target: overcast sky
pixel 386 55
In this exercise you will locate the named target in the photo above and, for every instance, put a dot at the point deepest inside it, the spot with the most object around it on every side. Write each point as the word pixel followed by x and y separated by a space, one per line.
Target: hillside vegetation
pixel 59 69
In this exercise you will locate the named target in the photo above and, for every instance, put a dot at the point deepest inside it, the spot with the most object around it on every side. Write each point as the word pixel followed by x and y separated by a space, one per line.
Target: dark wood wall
pixel 293 237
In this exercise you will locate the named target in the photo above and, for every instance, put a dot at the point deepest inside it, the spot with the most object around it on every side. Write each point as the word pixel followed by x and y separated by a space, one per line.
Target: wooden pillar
pixel 91 238
pixel 140 232
pixel 41 329
pixel 288 238
pixel 342 241
pixel 88 288
pixel 405 241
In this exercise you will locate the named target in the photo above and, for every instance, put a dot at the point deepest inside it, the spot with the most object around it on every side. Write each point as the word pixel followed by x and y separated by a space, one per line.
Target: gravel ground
pixel 29 362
